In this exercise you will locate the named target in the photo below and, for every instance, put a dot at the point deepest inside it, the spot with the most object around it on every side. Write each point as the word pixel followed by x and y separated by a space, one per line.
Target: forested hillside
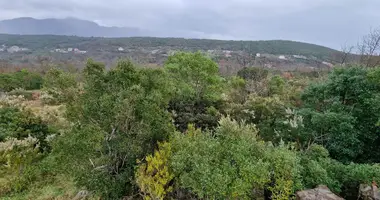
pixel 183 131
pixel 40 42
pixel 32 49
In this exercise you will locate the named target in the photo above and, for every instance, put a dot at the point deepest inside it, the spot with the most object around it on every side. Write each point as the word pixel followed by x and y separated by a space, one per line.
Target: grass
pixel 58 187
pixel 62 188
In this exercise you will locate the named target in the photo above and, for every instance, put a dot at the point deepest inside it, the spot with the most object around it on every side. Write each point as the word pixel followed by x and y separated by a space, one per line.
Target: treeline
pixel 41 43
pixel 185 132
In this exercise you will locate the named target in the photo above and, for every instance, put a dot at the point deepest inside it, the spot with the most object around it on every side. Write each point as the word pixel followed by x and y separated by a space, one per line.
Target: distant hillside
pixel 68 26
pixel 285 47
pixel 231 55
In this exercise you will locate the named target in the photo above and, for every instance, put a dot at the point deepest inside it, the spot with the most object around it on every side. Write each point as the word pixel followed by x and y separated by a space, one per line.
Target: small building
pixel 258 55
pixel 155 51
pixel 69 49
pixel 282 57
pixel 79 51
pixel 227 53
pixel 13 49
pixel 328 64
pixel 300 57
pixel 120 49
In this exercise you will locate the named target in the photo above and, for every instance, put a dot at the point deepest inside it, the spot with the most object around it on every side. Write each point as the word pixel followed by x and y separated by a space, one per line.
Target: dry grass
pixel 61 189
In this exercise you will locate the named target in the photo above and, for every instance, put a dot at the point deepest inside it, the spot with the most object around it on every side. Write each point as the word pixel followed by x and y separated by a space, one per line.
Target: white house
pixel 13 49
pixel 120 49
pixel 155 51
pixel 282 57
pixel 300 57
pixel 328 64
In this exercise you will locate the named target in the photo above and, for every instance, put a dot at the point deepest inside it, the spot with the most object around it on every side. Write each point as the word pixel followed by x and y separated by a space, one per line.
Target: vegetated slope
pixel 39 42
pixel 84 28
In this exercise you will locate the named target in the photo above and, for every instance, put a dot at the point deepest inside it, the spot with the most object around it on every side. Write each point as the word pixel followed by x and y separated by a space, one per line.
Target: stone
pixel 367 192
pixel 81 195
pixel 322 192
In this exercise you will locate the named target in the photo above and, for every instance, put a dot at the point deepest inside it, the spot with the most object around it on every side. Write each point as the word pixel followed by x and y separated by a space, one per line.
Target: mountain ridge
pixel 66 26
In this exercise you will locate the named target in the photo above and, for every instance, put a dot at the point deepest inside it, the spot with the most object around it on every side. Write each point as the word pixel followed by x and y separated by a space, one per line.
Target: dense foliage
pixel 119 118
pixel 21 79
pixel 185 132
pixel 342 112
pixel 198 88
pixel 271 47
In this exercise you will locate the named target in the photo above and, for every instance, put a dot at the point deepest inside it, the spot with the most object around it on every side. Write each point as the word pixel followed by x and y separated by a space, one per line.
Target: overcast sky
pixel 331 23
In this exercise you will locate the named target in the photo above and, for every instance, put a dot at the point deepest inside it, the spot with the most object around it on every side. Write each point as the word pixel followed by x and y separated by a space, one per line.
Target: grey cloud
pixel 326 22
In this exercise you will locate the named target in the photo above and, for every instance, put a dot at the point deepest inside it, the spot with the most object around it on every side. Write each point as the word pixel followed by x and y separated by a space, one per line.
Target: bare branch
pixel 369 49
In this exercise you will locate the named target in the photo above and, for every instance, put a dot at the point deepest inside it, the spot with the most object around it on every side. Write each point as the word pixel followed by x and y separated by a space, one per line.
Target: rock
pixel 367 192
pixel 322 192
pixel 81 195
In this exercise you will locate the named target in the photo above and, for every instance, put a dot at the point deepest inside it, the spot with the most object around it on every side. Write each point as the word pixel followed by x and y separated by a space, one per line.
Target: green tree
pixel 20 123
pixel 60 85
pixel 119 118
pixel 276 85
pixel 227 166
pixel 253 73
pixel 195 75
pixel 20 79
pixel 198 89
pixel 341 114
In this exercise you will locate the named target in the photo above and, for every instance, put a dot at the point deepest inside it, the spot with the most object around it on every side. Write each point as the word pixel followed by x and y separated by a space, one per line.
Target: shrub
pixel 154 176
pixel 202 113
pixel 22 92
pixel 341 113
pixel 48 99
pixel 228 166
pixel 253 73
pixel 21 79
pixel 194 75
pixel 285 172
pixel 59 87
pixel 18 122
pixel 16 156
pixel 276 85
pixel 119 118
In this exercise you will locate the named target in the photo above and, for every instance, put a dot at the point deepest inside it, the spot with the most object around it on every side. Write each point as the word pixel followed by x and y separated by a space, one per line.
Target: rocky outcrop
pixel 320 193
pixel 367 192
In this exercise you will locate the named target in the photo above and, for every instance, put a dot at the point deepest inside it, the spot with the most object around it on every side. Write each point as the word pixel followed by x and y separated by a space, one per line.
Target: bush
pixel 21 79
pixel 341 113
pixel 253 73
pixel 16 156
pixel 18 122
pixel 119 118
pixel 230 163
pixel 202 113
pixel 22 92
pixel 276 85
pixel 48 99
pixel 154 176
pixel 59 87
pixel 195 76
